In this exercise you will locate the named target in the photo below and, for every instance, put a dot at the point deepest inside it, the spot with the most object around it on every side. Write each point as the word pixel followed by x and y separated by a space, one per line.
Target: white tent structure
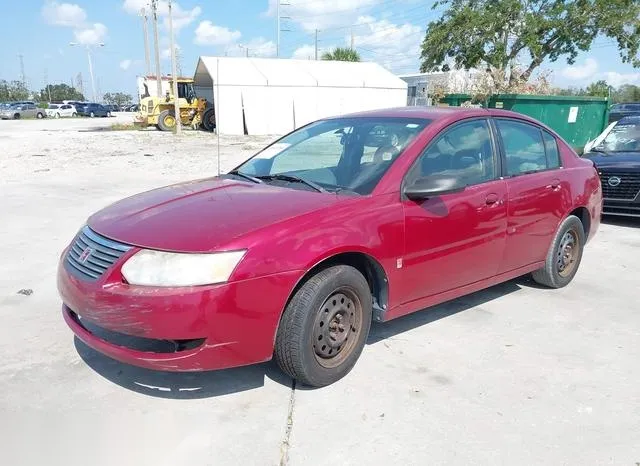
pixel 262 96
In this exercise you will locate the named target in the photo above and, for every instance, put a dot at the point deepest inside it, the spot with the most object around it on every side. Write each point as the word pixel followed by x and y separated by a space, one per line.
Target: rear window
pixel 551 147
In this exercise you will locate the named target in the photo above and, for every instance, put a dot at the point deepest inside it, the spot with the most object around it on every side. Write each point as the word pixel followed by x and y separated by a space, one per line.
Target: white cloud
pixel 322 14
pixel 261 47
pixel 63 14
pixel 208 33
pixel 91 35
pixel 181 17
pixel 616 79
pixel 395 46
pixel 305 52
pixel 125 64
pixel 581 72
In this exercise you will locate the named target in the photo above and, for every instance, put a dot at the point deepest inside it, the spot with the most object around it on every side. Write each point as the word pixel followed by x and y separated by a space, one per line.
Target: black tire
pixel 564 256
pixel 40 115
pixel 209 119
pixel 74 114
pixel 164 120
pixel 16 116
pixel 325 304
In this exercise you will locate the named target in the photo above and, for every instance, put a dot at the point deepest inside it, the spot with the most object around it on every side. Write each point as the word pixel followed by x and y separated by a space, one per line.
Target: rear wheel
pixel 16 116
pixel 209 119
pixel 40 115
pixel 564 256
pixel 325 326
pixel 166 120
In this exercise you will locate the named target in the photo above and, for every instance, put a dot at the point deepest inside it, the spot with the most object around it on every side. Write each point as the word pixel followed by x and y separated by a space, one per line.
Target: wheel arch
pixel 366 264
pixel 585 218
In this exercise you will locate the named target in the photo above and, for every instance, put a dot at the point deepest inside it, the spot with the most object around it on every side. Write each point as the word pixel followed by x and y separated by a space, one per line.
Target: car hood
pixel 203 215
pixel 614 159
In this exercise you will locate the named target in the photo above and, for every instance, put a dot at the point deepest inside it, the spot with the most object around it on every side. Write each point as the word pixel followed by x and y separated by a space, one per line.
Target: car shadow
pixel 196 385
pixel 628 222
pixel 180 385
pixel 382 331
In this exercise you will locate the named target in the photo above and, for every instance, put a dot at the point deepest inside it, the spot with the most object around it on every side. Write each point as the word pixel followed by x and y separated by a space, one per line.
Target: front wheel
pixel 564 256
pixel 325 326
pixel 166 120
pixel 74 114
pixel 40 116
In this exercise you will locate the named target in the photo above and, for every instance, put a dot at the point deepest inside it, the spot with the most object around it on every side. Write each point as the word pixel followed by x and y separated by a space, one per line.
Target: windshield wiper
pixel 245 176
pixel 293 179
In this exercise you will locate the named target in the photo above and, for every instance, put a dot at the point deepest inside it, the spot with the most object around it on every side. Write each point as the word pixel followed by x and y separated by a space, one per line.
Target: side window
pixel 551 146
pixel 466 150
pixel 523 147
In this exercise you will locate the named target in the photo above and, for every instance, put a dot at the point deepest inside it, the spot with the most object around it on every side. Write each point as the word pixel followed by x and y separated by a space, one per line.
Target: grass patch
pixel 123 127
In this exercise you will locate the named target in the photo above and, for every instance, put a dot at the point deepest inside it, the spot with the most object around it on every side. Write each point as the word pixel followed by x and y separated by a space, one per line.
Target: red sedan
pixel 348 220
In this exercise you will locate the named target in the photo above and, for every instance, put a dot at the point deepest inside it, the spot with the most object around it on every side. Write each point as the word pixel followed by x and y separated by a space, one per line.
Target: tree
pixel 598 89
pixel 342 54
pixel 13 90
pixel 497 35
pixel 59 92
pixel 117 98
pixel 627 93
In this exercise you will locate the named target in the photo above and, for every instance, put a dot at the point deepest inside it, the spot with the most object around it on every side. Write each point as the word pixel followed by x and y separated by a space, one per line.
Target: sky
pixel 385 31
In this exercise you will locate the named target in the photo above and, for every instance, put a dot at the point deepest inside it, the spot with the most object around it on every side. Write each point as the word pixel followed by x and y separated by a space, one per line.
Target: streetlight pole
pixel 174 72
pixel 93 83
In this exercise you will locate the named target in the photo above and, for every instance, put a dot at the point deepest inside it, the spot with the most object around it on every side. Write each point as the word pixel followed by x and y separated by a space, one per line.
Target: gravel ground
pixel 511 375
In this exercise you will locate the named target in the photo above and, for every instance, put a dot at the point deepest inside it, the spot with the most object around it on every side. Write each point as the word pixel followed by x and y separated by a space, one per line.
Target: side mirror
pixel 432 186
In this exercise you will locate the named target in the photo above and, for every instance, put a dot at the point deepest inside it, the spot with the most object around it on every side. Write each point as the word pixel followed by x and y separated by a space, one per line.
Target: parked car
pixel 617 158
pixel 369 216
pixel 22 110
pixel 93 110
pixel 622 110
pixel 61 111
pixel 112 108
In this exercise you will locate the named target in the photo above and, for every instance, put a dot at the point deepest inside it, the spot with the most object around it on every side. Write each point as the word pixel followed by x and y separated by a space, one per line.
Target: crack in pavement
pixel 284 447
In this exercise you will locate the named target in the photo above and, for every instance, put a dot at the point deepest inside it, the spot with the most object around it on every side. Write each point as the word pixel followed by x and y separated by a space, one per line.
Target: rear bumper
pixel 225 326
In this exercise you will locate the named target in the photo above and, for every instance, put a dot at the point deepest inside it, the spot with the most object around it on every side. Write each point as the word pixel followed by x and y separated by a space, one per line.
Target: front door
pixel 456 239
pixel 537 197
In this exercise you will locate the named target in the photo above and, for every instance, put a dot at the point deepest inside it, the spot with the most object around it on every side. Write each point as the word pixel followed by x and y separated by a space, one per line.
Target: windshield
pixel 350 154
pixel 52 106
pixel 624 137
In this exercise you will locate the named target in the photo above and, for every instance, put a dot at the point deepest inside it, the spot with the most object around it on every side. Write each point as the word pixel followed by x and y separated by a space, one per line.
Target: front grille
pixel 628 188
pixel 91 255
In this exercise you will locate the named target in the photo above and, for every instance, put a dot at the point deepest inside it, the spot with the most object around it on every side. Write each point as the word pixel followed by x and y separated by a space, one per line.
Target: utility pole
pixel 279 28
pixel 154 9
pixel 147 55
pixel 80 84
pixel 46 83
pixel 174 72
pixel 93 84
pixel 316 44
pixel 23 77
pixel 352 39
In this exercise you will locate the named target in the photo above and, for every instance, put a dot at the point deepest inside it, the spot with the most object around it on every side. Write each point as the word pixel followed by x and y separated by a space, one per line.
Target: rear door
pixel 537 192
pixel 455 239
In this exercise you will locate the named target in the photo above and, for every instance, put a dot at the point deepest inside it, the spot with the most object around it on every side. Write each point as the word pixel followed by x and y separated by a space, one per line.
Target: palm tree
pixel 342 54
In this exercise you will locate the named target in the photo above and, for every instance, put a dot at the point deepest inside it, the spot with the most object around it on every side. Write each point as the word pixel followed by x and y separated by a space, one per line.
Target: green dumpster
pixel 576 119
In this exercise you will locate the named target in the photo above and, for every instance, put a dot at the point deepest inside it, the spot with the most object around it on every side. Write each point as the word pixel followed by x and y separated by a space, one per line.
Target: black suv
pixel 94 110
pixel 617 159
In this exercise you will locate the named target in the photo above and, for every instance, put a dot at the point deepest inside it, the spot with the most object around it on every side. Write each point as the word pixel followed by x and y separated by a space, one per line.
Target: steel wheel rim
pixel 568 253
pixel 336 328
pixel 169 120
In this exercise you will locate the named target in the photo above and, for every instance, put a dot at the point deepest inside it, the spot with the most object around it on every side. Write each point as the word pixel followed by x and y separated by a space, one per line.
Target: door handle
pixel 555 184
pixel 491 199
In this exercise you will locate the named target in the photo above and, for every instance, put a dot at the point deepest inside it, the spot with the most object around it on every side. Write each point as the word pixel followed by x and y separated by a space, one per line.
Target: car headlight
pixel 158 268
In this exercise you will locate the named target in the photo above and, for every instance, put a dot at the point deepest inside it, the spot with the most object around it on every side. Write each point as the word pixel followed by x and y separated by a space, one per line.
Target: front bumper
pixel 232 324
pixel 622 208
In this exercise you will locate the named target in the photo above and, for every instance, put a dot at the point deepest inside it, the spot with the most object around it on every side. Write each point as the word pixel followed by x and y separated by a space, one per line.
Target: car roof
pixel 438 113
